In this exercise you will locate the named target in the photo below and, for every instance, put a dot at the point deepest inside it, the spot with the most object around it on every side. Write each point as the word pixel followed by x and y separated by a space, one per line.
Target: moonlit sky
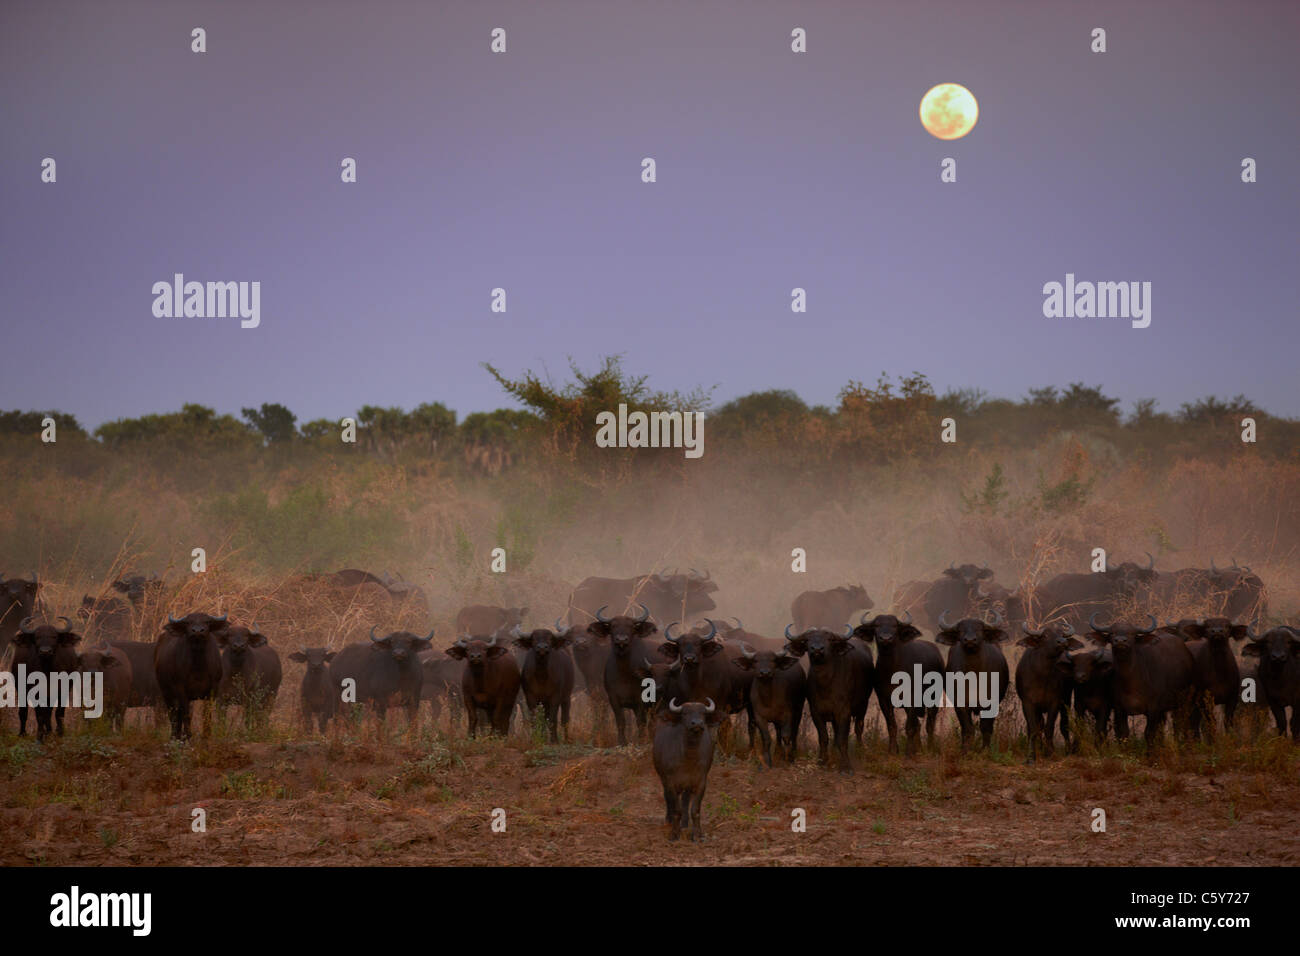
pixel 775 170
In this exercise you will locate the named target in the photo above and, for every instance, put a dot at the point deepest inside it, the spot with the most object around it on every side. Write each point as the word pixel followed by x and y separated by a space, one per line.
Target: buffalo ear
pixel 1146 638
pixel 1253 649
pixel 523 640
pixel 1239 631
pixel 496 650
pixel 1074 643
pixel 984 573
pixel 946 637
pixel 222 636
pixel 1193 632
pixel 711 647
pixel 561 640
pixel 1097 637
pixel 743 662
pixel 456 651
pixel 329 656
pixel 797 646
pixel 644 628
pixel 120 587
pixel 421 643
pixel 952 572
pixel 908 631
pixel 69 638
pixel 599 630
pixel 256 639
pixel 784 660
pixel 669 650
pixel 995 635
pixel 298 656
pixel 716 717
pixel 865 632
pixel 1030 640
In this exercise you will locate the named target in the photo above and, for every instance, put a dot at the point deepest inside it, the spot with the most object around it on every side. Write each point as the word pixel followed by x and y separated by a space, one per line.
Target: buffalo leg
pixel 697 799
pixel 767 742
pixel 670 806
pixel 842 743
pixel 823 741
pixel 22 723
pixel 967 727
pixel 1034 727
pixel 986 733
pixel 564 719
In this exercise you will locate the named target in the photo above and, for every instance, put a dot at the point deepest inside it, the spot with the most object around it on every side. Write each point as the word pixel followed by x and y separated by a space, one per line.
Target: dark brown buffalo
pixel 1154 673
pixel 17 603
pixel 442 676
pixel 1043 686
pixel 490 681
pixel 1217 676
pixel 137 588
pixel 776 697
pixel 115 667
pixel 145 691
pixel 699 667
pixel 107 618
pixel 960 591
pixel 1092 676
pixel 1233 592
pixel 1278 651
pixel 187 662
pixel 318 695
pixel 899 653
pixel 547 675
pixel 828 609
pixel 1076 597
pixel 48 650
pixel 384 671
pixel 628 665
pixel 250 671
pixel 840 679
pixel 682 754
pixel 973 653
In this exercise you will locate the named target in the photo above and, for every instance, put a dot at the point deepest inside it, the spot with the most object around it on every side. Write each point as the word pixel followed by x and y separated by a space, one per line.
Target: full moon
pixel 949 111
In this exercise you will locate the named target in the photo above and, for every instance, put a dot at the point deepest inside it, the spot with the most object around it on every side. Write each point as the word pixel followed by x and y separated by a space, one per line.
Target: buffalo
pixel 669 597
pixel 547 678
pixel 490 681
pixel 682 754
pixel 840 680
pixel 115 667
pixel 145 691
pixel 1278 651
pixel 442 677
pixel 137 588
pixel 17 603
pixel 959 587
pixel 1043 686
pixel 187 661
pixel 385 670
pixel 627 666
pixel 776 696
pixel 250 671
pixel 47 650
pixel 1091 674
pixel 1075 597
pixel 1218 678
pixel 319 696
pixel 1154 673
pixel 828 609
pixel 976 668
pixel 699 667
pixel 900 657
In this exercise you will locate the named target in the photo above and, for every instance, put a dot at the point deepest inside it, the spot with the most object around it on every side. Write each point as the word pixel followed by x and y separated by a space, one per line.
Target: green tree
pixel 273 421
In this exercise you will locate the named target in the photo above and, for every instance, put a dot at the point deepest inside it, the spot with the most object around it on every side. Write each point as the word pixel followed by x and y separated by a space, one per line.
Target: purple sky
pixel 775 170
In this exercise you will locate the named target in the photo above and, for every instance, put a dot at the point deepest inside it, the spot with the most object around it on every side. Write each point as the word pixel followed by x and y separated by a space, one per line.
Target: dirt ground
pixel 281 796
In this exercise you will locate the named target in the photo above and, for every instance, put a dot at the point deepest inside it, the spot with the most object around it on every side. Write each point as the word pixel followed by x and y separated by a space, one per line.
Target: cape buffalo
pixel 699 667
pixel 145 691
pixel 776 696
pixel 669 597
pixel 1154 673
pixel 981 670
pixel 547 677
pixel 384 670
pixel 485 621
pixel 840 679
pixel 47 650
pixel 1217 676
pixel 1091 674
pixel 137 587
pixel 490 681
pixel 107 618
pixel 17 603
pixel 828 609
pixel 900 656
pixel 250 671
pixel 187 661
pixel 1043 686
pixel 318 695
pixel 115 667
pixel 1076 597
pixel 682 755
pixel 627 666
pixel 1278 651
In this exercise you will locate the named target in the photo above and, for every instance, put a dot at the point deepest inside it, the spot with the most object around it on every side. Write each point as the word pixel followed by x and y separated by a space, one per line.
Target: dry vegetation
pixel 866 489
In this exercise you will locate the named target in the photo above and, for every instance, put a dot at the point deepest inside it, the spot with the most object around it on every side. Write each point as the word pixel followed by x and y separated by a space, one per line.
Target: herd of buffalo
pixel 684 681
